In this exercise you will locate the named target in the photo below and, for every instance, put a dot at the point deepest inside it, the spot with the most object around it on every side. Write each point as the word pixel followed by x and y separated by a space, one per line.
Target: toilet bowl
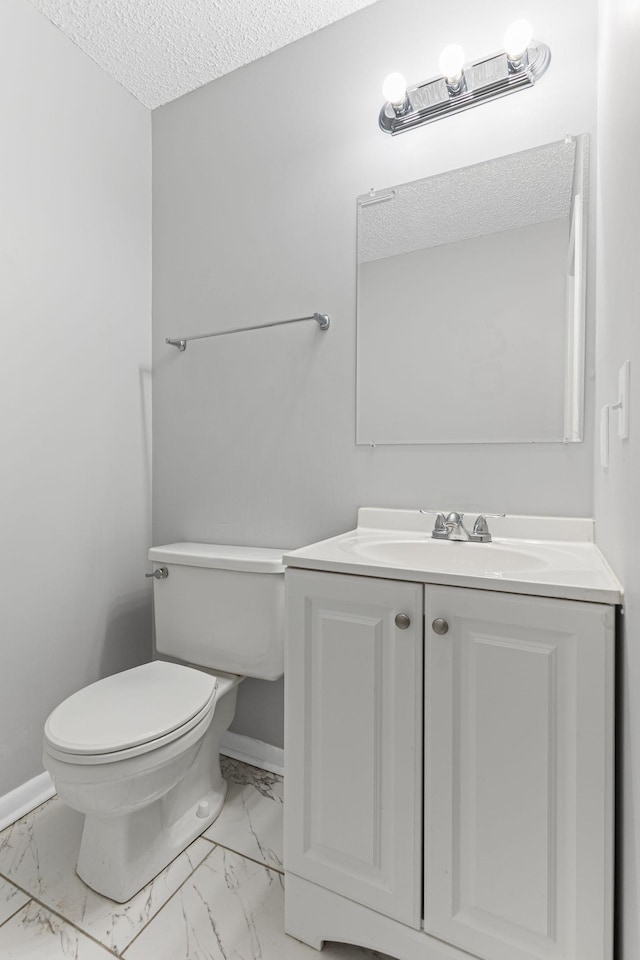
pixel 152 787
pixel 138 752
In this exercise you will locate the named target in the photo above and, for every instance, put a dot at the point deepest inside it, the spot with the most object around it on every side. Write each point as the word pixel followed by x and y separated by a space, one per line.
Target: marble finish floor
pixel 222 899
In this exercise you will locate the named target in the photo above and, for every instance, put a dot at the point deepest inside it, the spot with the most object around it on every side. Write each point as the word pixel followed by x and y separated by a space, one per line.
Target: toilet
pixel 138 753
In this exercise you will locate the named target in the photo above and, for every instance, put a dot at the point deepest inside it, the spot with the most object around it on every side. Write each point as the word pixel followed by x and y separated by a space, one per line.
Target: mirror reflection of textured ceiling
pixel 503 194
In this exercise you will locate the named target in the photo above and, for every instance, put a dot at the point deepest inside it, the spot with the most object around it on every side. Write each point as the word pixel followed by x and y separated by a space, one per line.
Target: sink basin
pixel 488 559
pixel 537 556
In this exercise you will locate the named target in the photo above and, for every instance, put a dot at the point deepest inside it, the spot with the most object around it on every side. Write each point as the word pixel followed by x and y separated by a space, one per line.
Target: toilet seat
pixel 132 712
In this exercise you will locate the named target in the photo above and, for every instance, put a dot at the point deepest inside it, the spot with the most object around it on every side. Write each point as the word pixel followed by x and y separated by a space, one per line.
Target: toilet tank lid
pixel 221 556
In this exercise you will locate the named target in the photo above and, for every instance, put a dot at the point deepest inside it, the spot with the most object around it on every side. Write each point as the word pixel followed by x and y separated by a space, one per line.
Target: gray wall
pixel 255 180
pixel 616 489
pixel 75 197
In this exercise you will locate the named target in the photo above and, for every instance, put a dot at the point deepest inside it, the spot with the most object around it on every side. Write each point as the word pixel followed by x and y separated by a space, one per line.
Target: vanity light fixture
pixel 462 86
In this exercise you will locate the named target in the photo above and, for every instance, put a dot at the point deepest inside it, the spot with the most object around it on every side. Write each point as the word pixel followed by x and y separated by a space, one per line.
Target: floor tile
pixel 251 820
pixel 39 935
pixel 40 852
pixel 229 909
pixel 11 900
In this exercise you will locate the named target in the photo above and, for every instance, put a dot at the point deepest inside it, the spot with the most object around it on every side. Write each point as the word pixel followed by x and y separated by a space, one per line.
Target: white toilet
pixel 139 752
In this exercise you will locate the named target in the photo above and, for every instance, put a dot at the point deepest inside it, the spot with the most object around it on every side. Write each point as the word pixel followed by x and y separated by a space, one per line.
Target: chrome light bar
pixel 476 83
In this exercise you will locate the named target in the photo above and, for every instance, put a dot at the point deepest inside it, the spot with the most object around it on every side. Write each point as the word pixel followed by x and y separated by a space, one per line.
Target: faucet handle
pixel 440 530
pixel 439 515
pixel 481 529
pixel 440 525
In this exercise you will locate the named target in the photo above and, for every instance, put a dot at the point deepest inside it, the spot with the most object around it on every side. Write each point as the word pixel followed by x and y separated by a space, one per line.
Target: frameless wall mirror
pixel 471 302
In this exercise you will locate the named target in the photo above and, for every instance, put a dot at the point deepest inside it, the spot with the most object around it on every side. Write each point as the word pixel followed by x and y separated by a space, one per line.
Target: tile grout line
pixel 177 890
pixel 246 856
pixel 3 876
pixel 6 920
pixel 64 919
pixel 188 877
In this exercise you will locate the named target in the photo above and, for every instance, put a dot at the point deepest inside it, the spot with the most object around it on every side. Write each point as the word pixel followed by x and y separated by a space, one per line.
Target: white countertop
pixel 539 556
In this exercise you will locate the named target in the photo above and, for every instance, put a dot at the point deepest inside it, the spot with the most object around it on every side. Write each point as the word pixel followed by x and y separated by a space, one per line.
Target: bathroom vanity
pixel 449 741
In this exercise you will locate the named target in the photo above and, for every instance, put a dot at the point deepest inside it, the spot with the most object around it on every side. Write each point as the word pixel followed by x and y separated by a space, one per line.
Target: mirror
pixel 471 302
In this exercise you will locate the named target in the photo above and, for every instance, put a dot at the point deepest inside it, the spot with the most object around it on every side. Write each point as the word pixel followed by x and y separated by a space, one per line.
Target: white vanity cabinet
pixel 354 739
pixel 518 775
pixel 448 793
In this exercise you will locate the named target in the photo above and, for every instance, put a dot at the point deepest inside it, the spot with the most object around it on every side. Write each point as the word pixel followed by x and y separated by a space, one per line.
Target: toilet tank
pixel 221 607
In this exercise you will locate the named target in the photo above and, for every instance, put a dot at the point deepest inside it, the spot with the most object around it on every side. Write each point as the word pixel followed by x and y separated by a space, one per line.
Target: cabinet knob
pixel 403 621
pixel 440 627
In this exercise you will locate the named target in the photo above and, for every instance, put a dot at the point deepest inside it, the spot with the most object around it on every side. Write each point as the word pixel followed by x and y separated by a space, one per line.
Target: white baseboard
pixel 25 798
pixel 255 752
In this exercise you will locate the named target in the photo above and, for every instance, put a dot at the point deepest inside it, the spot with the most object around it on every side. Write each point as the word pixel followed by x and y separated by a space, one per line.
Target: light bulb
pixel 517 39
pixel 394 89
pixel 451 62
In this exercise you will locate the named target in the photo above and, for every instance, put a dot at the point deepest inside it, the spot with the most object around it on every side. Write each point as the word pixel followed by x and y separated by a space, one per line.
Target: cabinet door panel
pixel 518 794
pixel 354 739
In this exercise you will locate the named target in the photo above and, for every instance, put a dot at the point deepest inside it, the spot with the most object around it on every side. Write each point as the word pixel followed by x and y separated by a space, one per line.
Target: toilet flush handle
pixel 160 574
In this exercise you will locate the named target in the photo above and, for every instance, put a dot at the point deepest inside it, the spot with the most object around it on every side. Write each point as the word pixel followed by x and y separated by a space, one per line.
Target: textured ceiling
pixel 503 194
pixel 160 49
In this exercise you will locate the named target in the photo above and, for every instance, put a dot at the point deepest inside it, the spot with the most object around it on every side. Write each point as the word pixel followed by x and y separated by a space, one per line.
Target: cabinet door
pixel 353 739
pixel 519 779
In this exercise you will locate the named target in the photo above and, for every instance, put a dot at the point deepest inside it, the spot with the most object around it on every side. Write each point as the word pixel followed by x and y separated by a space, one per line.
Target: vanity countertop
pixel 538 556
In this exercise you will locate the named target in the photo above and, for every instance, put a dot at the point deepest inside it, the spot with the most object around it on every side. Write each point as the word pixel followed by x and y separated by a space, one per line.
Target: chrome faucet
pixel 455 528
pixel 451 527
